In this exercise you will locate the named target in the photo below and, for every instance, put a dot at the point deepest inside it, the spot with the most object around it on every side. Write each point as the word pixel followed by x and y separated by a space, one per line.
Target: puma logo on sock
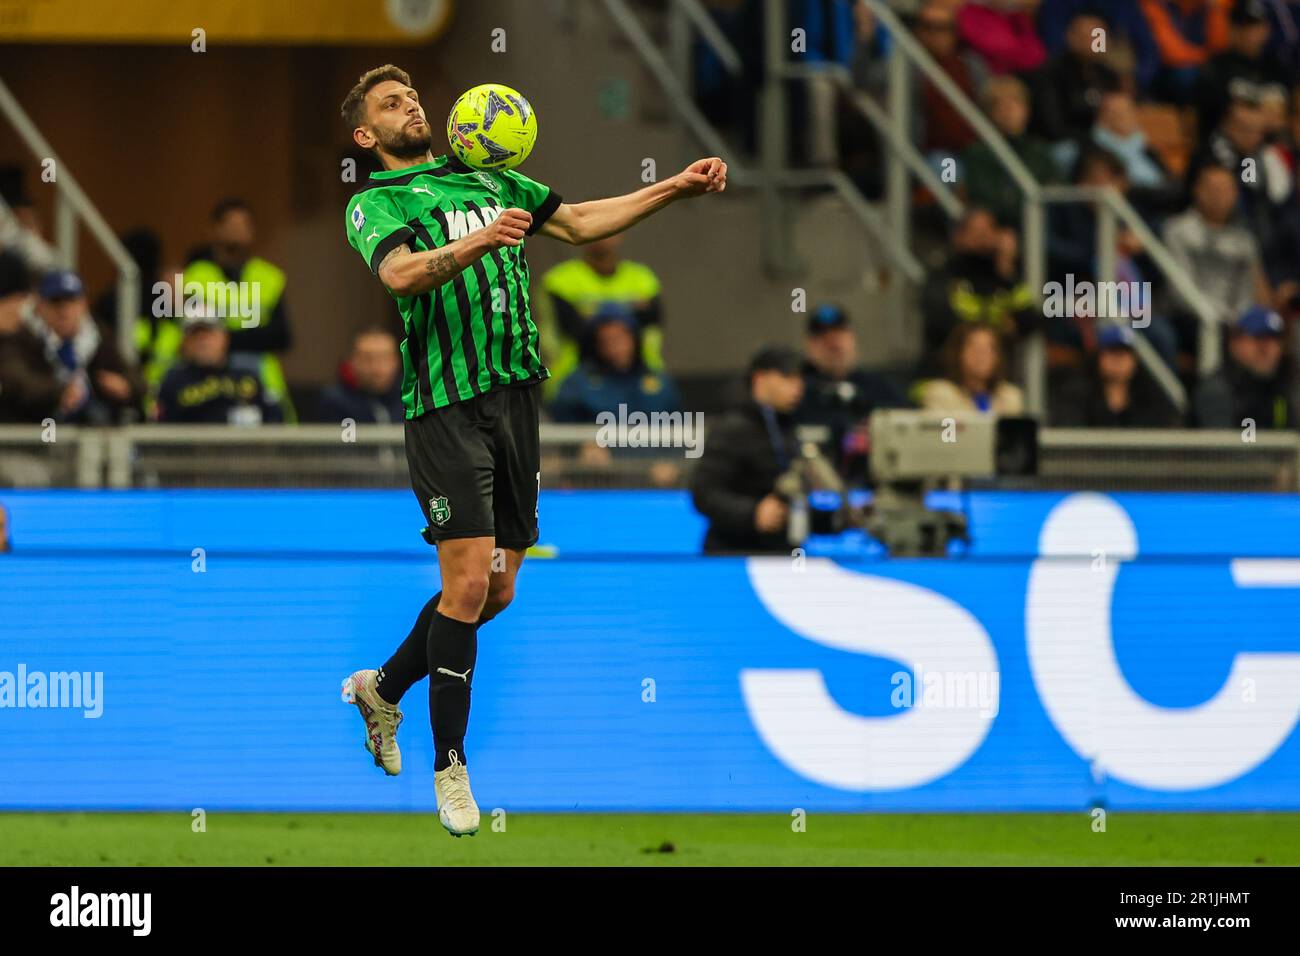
pixel 464 676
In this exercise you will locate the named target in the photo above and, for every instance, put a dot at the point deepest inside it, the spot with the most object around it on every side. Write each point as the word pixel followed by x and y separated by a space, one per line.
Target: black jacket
pixel 1080 402
pixel 341 401
pixel 194 395
pixel 1233 394
pixel 739 467
pixel 1067 93
pixel 841 406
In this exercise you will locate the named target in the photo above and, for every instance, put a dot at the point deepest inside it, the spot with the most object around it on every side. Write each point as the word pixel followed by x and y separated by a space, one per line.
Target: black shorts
pixel 475 467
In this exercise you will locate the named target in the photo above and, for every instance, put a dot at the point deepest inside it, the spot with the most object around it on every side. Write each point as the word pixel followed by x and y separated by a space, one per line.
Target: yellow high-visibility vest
pixel 586 290
pixel 271 281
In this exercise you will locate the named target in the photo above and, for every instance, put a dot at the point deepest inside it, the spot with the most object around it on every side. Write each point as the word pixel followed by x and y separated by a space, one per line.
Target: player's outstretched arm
pixel 577 223
pixel 413 273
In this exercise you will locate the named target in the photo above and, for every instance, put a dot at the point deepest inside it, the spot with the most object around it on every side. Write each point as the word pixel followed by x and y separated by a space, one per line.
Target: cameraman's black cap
pixel 777 358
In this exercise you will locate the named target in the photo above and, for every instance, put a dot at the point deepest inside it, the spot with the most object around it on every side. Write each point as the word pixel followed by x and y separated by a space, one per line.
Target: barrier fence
pixel 575 456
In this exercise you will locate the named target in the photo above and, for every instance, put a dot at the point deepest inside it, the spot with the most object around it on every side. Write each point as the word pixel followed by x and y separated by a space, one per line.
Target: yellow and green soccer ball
pixel 492 127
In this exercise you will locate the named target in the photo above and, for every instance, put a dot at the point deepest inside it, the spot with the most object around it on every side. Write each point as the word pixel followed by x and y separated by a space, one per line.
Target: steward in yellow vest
pixel 227 260
pixel 576 290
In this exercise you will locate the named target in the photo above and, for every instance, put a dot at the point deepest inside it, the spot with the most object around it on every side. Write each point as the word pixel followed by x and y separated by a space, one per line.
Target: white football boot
pixel 457 810
pixel 382 720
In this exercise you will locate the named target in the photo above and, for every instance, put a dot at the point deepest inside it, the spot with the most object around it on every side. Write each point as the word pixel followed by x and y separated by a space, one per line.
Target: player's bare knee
pixel 465 592
pixel 499 597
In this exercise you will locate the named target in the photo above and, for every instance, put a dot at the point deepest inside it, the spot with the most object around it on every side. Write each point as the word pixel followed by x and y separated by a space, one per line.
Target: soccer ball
pixel 492 127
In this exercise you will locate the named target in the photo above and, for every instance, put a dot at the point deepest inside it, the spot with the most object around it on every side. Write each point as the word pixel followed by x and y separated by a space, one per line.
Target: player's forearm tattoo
pixel 442 267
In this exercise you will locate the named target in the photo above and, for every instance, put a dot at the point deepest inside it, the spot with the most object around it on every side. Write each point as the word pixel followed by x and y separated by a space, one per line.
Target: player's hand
pixel 507 229
pixel 702 176
pixel 770 515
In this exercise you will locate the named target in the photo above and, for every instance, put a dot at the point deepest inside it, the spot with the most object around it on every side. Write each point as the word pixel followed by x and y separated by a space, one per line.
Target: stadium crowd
pixel 1190 108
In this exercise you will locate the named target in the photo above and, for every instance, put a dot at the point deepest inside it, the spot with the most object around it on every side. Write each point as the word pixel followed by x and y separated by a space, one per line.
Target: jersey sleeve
pixel 532 196
pixel 375 227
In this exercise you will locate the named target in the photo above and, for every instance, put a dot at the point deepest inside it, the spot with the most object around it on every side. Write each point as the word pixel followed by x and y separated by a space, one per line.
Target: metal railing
pixel 373 456
pixel 1108 203
pixel 72 208
pixel 1079 459
pixel 773 175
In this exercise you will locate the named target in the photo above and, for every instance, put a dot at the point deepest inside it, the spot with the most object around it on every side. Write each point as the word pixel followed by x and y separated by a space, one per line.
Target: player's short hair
pixel 354 104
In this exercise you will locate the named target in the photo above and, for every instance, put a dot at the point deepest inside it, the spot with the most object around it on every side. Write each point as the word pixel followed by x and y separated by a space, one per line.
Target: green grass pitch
pixel 325 839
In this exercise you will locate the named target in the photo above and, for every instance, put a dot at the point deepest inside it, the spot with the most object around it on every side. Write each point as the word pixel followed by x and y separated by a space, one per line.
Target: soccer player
pixel 447 243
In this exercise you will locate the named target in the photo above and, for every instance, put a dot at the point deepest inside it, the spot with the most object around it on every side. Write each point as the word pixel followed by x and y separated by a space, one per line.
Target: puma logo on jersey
pixel 421 189
pixel 460 222
pixel 373 235
pixel 464 676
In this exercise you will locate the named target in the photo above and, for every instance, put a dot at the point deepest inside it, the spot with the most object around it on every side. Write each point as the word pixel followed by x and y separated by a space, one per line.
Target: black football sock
pixel 452 650
pixel 410 662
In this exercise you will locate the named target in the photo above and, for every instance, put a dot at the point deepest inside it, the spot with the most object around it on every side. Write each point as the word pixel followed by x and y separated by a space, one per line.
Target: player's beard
pixel 408 143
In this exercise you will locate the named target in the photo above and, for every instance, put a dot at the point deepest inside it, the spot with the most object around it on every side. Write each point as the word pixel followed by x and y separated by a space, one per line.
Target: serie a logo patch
pixel 439 510
pixel 358 218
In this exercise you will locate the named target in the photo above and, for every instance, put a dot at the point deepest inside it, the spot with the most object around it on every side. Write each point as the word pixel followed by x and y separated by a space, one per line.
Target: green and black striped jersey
pixel 476 332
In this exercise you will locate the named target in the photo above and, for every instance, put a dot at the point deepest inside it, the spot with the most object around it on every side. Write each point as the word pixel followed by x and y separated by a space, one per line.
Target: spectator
pixel 1127 28
pixel 1003 33
pixel 1253 385
pixel 20 231
pixel 1187 33
pixel 975 378
pixel 838 394
pixel 1072 251
pixel 1006 100
pixel 1117 131
pixel 369 389
pixel 1284 34
pixel 1115 391
pixel 1216 250
pixel 29 389
pixel 229 258
pixel 209 384
pixel 1246 70
pixel 735 480
pixel 979 284
pixel 614 374
pixel 1266 184
pixel 100 387
pixel 577 288
pixel 157 337
pixel 939 130
pixel 1070 91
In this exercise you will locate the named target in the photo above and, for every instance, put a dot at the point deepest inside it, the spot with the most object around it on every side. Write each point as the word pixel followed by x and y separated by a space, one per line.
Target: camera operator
pixel 838 394
pixel 744 455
